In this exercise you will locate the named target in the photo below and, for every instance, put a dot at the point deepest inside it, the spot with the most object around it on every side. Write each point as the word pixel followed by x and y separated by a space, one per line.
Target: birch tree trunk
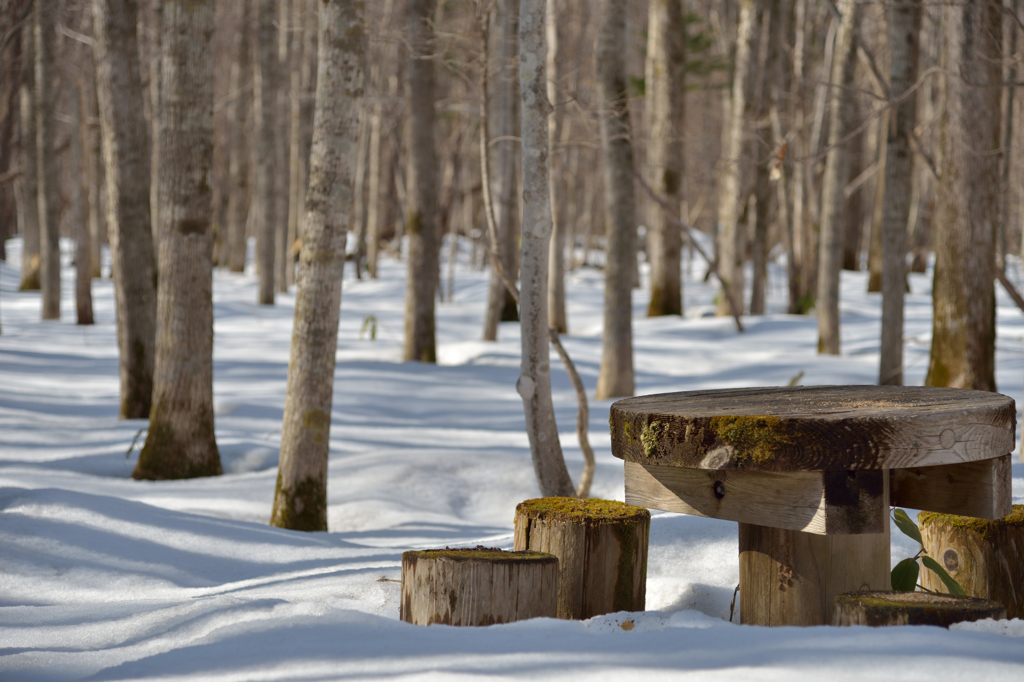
pixel 79 217
pixel 47 172
pixel 559 228
pixel 238 163
pixel 616 374
pixel 30 173
pixel 266 133
pixel 300 497
pixel 181 442
pixel 504 109
pixel 534 384
pixel 422 193
pixel 129 227
pixel 963 331
pixel 904 28
pixel 731 241
pixel 665 80
pixel 841 113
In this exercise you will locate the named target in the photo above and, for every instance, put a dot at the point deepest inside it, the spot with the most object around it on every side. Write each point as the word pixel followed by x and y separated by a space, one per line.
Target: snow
pixel 106 578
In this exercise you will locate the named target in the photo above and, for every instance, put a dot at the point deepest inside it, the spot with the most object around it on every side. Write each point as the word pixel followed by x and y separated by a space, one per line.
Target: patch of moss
pixel 650 435
pixel 591 511
pixel 474 553
pixel 757 438
pixel 919 608
pixel 302 507
pixel 981 526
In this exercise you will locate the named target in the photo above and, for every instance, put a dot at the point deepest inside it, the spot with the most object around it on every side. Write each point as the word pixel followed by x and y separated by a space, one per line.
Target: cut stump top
pixel 575 510
pixel 809 428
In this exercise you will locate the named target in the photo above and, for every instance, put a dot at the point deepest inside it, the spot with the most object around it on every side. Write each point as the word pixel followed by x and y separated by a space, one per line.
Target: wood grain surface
pixel 979 489
pixel 809 428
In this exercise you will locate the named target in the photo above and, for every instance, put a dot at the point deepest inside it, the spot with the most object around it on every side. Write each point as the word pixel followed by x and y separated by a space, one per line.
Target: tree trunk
pixel 358 202
pixel 904 27
pixel 29 172
pixel 296 192
pixel 504 108
pixel 79 220
pixel 130 231
pixel 841 113
pixel 422 192
pixel 534 385
pixel 731 236
pixel 300 497
pixel 853 206
pixel 665 79
pixel 238 164
pixel 94 161
pixel 47 171
pixel 963 332
pixel 616 376
pixel 181 442
pixel 280 163
pixel 266 133
pixel 556 258
pixel 877 208
pixel 156 109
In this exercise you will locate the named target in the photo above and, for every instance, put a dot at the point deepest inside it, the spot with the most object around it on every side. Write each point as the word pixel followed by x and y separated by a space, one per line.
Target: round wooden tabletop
pixel 808 428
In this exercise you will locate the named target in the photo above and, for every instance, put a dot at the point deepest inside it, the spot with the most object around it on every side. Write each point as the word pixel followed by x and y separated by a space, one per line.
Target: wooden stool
pixel 912 608
pixel 601 547
pixel 985 557
pixel 810 472
pixel 477 586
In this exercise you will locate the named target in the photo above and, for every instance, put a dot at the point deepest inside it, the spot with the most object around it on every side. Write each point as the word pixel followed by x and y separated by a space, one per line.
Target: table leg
pixel 788 577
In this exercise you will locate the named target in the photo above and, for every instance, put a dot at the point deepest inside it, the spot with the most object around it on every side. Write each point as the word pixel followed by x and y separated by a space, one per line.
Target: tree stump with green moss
pixel 985 557
pixel 477 586
pixel 601 547
pixel 911 608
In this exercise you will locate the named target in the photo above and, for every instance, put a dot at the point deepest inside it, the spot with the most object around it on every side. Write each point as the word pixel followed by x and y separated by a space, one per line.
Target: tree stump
pixel 477 586
pixel 985 557
pixel 911 608
pixel 601 547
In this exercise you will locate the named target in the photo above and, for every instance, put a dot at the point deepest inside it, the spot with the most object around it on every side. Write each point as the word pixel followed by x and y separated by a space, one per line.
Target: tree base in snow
pixel 911 608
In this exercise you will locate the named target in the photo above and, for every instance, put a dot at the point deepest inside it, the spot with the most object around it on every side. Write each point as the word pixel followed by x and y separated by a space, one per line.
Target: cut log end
pixel 478 586
pixel 575 510
pixel 877 609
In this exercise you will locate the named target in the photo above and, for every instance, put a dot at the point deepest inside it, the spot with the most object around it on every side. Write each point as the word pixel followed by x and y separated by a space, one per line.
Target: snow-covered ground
pixel 103 577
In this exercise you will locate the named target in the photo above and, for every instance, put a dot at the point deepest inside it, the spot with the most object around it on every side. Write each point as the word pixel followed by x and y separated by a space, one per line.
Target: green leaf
pixel 908 527
pixel 904 576
pixel 947 580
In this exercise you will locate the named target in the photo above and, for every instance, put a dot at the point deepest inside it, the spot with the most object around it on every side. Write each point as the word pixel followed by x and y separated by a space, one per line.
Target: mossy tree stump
pixel 601 547
pixel 477 586
pixel 911 608
pixel 985 557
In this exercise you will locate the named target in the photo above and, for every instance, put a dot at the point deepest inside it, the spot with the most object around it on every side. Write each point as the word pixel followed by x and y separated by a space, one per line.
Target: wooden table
pixel 810 474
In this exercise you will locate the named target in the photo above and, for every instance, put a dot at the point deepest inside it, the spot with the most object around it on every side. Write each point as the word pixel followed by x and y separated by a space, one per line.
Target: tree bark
pixel 963 331
pixel 878 207
pixel 904 28
pixel 156 109
pixel 616 374
pixel 731 235
pixel 181 442
pixel 130 233
pixel 504 108
pixel 238 163
pixel 296 192
pixel 841 113
pixel 853 206
pixel 29 172
pixel 358 202
pixel 266 133
pixel 665 81
pixel 534 385
pixel 300 497
pixel 770 30
pixel 280 163
pixel 79 220
pixel 94 162
pixel 422 192
pixel 47 172
pixel 559 228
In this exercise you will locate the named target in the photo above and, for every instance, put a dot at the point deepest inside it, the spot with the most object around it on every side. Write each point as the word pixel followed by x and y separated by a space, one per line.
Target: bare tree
pixel 559 214
pixel 504 114
pixel 264 110
pixel 963 332
pixel 534 383
pixel 127 165
pixel 181 442
pixel 238 163
pixel 47 171
pixel 29 172
pixel 904 28
pixel 665 80
pixel 80 148
pixel 616 376
pixel 422 227
pixel 841 113
pixel 300 498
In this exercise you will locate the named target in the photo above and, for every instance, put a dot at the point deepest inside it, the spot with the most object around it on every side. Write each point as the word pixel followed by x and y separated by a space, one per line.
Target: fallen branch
pixel 1010 289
